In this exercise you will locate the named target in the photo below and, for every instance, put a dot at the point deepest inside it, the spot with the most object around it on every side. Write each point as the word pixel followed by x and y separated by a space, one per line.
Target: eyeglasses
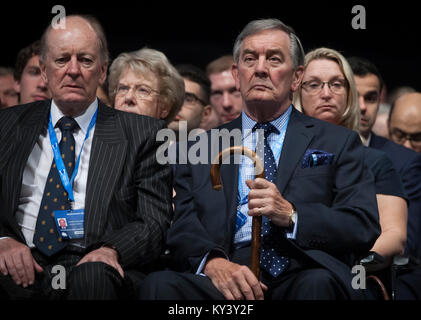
pixel 401 136
pixel 314 87
pixel 191 98
pixel 141 91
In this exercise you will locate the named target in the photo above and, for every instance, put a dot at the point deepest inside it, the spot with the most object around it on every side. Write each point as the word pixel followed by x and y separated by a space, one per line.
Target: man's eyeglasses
pixel 401 136
pixel 141 91
pixel 191 98
pixel 314 87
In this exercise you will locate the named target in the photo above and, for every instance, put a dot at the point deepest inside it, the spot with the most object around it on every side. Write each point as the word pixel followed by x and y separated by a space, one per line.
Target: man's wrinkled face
pixel 73 68
pixel 264 74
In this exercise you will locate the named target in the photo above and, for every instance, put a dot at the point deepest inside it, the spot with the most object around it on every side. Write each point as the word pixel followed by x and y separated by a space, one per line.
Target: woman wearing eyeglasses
pixel 145 82
pixel 328 92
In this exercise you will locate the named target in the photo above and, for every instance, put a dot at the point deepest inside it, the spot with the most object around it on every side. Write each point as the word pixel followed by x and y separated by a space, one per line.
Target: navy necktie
pixel 270 260
pixel 55 197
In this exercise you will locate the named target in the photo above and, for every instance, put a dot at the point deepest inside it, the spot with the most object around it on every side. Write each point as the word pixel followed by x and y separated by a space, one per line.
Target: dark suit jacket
pixel 336 204
pixel 128 197
pixel 386 178
pixel 408 164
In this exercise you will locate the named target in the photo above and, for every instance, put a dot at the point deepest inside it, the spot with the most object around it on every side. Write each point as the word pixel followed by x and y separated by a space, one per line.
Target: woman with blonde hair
pixel 328 92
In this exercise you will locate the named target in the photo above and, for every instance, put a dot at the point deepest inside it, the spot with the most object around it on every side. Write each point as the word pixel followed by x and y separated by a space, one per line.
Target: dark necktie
pixel 46 236
pixel 270 260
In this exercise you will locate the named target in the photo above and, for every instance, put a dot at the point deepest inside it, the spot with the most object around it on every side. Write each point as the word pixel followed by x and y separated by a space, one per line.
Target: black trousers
pixel 302 281
pixel 88 281
pixel 408 286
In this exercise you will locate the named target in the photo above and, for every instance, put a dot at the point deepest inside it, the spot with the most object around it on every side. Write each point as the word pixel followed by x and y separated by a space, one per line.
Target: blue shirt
pixel 246 172
pixel 249 140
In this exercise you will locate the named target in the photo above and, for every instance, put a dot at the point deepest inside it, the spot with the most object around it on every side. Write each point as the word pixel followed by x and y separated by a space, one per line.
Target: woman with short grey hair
pixel 145 82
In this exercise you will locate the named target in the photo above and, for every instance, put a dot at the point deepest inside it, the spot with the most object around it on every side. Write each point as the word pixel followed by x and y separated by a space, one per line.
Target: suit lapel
pixel 108 153
pixel 375 142
pixel 34 122
pixel 297 139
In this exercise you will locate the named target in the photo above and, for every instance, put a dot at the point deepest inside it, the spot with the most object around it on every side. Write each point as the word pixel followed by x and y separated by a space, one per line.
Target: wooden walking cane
pixel 257 221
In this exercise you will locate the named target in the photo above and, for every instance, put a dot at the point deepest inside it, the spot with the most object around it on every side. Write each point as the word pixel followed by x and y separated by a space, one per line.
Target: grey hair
pixel 96 26
pixel 149 61
pixel 256 26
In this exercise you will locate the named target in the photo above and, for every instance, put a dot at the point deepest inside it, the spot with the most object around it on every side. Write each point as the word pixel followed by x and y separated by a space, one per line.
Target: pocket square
pixel 313 158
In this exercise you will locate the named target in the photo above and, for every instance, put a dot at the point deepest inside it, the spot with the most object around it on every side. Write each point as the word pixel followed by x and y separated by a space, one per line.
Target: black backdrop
pixel 199 31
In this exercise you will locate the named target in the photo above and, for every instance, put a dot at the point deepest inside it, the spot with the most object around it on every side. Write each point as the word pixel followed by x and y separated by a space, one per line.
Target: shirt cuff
pixel 292 235
pixel 215 253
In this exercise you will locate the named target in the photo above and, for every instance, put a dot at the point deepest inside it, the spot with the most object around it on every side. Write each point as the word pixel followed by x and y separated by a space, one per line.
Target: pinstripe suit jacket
pixel 128 197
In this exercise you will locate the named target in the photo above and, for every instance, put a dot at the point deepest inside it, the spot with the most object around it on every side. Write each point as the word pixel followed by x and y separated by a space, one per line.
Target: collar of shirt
pixel 82 120
pixel 368 140
pixel 279 123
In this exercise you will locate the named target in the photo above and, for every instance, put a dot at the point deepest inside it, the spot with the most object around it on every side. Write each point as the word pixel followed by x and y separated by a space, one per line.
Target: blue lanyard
pixel 67 184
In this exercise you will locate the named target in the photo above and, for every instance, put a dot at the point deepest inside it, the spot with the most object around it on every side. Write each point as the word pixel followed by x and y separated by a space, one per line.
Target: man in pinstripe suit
pixel 122 191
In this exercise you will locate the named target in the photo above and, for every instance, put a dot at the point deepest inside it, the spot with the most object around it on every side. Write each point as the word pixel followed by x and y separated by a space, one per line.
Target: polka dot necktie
pixel 46 236
pixel 270 260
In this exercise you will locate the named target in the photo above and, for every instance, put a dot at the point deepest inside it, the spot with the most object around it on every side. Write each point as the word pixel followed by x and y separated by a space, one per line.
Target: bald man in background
pixel 405 121
pixel 405 128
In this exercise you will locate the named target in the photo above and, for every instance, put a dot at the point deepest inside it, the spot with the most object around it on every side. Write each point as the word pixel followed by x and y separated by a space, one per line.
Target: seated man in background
pixel 405 121
pixel 195 110
pixel 8 95
pixel 28 81
pixel 225 97
pixel 407 162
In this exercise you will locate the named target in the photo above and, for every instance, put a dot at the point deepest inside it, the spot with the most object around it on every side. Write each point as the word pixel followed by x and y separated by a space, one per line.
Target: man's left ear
pixel 103 76
pixel 234 72
pixel 297 78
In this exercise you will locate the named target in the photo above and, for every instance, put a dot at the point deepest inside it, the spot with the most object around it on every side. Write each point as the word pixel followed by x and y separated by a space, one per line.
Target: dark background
pixel 199 31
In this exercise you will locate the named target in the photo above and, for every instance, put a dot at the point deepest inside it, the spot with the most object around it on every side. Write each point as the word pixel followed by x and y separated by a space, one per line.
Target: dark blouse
pixel 387 179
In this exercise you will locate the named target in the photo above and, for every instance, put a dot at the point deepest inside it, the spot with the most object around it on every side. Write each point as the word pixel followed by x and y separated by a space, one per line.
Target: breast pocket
pixel 314 171
pixel 311 185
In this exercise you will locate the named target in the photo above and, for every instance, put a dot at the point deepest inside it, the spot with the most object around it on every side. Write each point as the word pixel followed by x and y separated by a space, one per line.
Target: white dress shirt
pixel 38 167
